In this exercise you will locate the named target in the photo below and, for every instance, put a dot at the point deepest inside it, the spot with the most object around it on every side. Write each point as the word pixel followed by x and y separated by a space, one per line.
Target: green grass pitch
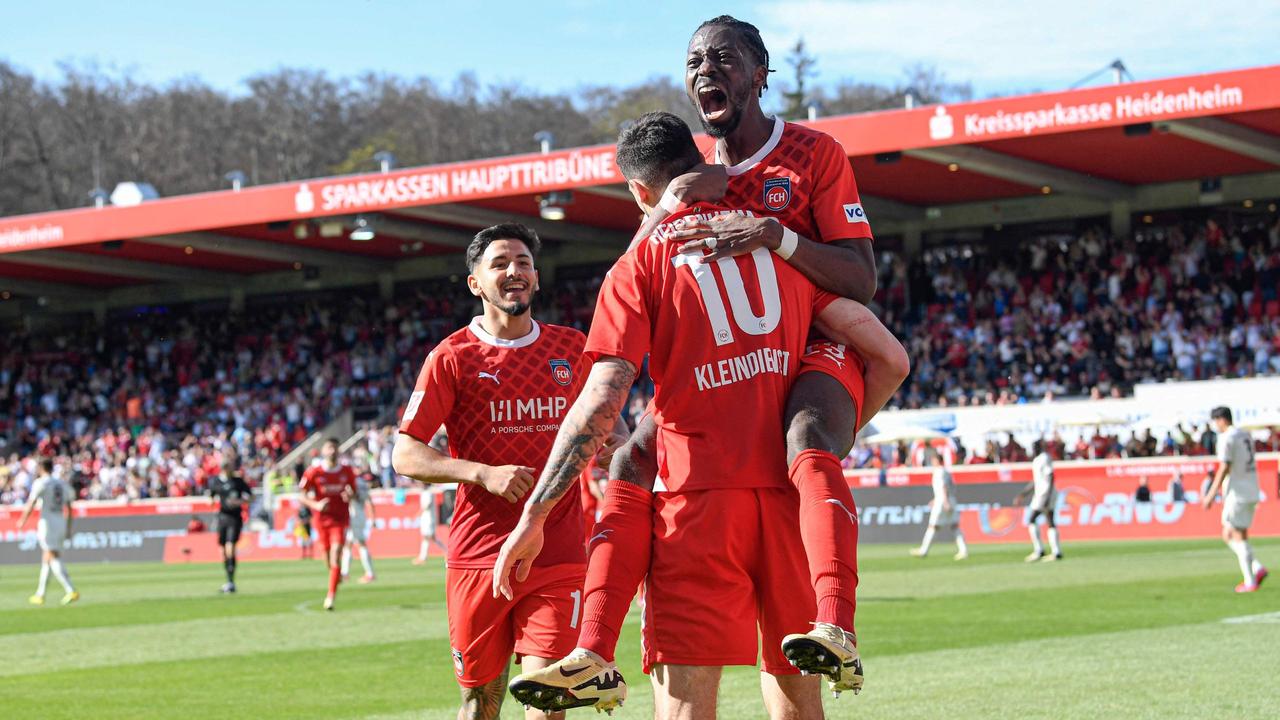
pixel 1117 630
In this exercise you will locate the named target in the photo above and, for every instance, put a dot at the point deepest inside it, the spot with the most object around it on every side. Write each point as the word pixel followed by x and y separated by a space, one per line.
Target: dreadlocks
pixel 750 36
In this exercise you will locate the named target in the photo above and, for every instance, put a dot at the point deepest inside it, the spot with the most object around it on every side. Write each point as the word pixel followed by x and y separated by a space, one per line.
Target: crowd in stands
pixel 1086 315
pixel 149 403
pixel 1184 439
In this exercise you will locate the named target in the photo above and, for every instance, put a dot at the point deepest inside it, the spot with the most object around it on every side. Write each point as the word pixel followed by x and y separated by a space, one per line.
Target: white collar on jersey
pixel 477 328
pixel 761 154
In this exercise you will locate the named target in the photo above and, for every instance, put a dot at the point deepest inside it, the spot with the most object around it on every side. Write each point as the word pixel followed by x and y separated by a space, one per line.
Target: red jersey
pixel 721 368
pixel 321 484
pixel 501 402
pixel 803 178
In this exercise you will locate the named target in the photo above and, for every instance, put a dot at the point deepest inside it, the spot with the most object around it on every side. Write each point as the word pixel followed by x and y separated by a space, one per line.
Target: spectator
pixel 1143 493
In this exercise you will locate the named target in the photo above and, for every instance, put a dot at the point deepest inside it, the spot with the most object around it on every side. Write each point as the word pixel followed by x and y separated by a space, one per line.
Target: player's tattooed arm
pixel 590 421
pixel 484 702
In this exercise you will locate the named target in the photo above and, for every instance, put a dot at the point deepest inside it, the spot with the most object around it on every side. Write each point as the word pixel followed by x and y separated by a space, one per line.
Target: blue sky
pixel 1000 46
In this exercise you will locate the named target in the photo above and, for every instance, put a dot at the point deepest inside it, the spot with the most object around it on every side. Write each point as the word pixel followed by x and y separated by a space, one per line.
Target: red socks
pixel 335 575
pixel 619 550
pixel 829 530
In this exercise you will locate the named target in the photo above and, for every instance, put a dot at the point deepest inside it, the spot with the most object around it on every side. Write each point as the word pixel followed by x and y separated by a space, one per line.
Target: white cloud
pixel 1005 45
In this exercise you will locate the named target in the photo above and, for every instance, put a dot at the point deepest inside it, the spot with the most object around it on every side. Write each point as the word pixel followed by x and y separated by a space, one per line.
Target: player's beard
pixel 514 309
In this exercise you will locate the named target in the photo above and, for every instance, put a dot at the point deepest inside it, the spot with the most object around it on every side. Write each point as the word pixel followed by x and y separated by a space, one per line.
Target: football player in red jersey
pixel 501 387
pixel 800 187
pixel 725 537
pixel 326 489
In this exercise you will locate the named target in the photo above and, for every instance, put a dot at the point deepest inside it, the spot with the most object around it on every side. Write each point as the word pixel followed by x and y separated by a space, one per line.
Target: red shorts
pixel 728 566
pixel 332 532
pixel 542 621
pixel 841 363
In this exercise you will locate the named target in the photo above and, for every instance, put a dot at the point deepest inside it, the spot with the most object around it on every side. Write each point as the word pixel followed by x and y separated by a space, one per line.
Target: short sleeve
pixel 433 397
pixel 621 325
pixel 822 300
pixel 308 480
pixel 1223 449
pixel 835 204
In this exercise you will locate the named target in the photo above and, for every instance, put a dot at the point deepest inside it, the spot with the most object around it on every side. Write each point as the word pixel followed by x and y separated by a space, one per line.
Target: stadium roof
pixel 1105 151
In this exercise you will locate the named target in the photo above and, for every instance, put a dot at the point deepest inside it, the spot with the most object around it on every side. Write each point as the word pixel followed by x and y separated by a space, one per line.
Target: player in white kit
pixel 54 496
pixel 358 532
pixel 1043 500
pixel 427 521
pixel 945 513
pixel 1236 460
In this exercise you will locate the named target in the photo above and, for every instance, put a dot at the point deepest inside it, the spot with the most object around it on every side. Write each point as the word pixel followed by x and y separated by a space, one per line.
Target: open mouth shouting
pixel 713 102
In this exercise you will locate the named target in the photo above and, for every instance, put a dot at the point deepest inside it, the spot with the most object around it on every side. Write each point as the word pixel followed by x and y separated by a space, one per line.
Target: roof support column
pixel 237 299
pixel 1121 218
pixel 387 285
pixel 912 240
pixel 100 312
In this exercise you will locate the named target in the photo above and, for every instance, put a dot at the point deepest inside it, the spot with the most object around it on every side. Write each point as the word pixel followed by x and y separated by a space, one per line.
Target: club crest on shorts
pixel 458 665
pixel 777 193
pixel 561 371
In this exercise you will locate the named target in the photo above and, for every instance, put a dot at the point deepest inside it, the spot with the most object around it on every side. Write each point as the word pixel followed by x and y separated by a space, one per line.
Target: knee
pixel 896 361
pixel 807 431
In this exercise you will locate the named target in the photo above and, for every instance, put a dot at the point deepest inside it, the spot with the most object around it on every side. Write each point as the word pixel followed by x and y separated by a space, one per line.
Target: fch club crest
pixel 777 193
pixel 561 372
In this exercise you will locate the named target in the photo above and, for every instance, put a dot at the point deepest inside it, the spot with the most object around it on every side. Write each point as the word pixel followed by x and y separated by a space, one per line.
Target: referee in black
pixel 232 493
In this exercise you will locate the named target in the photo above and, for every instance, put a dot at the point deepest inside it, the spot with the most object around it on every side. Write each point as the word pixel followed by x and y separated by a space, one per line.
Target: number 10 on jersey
pixel 744 317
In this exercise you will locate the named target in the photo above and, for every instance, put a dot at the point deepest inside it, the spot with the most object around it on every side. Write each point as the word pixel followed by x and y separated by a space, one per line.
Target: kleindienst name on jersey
pixel 743 367
pixel 728 371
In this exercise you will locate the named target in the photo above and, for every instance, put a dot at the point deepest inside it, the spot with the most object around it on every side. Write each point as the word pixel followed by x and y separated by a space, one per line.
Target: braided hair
pixel 749 35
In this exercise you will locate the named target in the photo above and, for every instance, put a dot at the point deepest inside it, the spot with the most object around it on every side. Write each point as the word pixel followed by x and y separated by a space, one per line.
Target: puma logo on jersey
pixel 852 517
pixel 492 376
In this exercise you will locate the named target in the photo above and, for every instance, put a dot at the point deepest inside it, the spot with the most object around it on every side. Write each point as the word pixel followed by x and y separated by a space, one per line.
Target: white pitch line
pixel 1271 618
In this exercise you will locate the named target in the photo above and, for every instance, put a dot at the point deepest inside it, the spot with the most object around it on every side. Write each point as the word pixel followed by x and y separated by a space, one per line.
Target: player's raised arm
pixel 591 419
pixel 844 267
pixel 704 183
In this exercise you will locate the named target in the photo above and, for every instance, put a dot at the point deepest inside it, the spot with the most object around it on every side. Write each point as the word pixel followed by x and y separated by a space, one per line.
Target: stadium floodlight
pixel 551 206
pixel 128 194
pixel 236 178
pixel 546 139
pixel 386 160
pixel 99 197
pixel 363 231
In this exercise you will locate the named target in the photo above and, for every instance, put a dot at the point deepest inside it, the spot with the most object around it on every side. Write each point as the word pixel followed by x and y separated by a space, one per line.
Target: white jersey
pixel 1042 476
pixel 1235 448
pixel 358 500
pixel 54 494
pixel 944 487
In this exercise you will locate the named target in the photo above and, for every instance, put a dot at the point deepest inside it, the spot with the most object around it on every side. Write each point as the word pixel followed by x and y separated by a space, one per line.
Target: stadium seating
pixel 147 402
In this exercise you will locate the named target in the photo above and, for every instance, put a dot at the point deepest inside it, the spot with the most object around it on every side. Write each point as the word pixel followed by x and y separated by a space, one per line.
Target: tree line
pixel 90 128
